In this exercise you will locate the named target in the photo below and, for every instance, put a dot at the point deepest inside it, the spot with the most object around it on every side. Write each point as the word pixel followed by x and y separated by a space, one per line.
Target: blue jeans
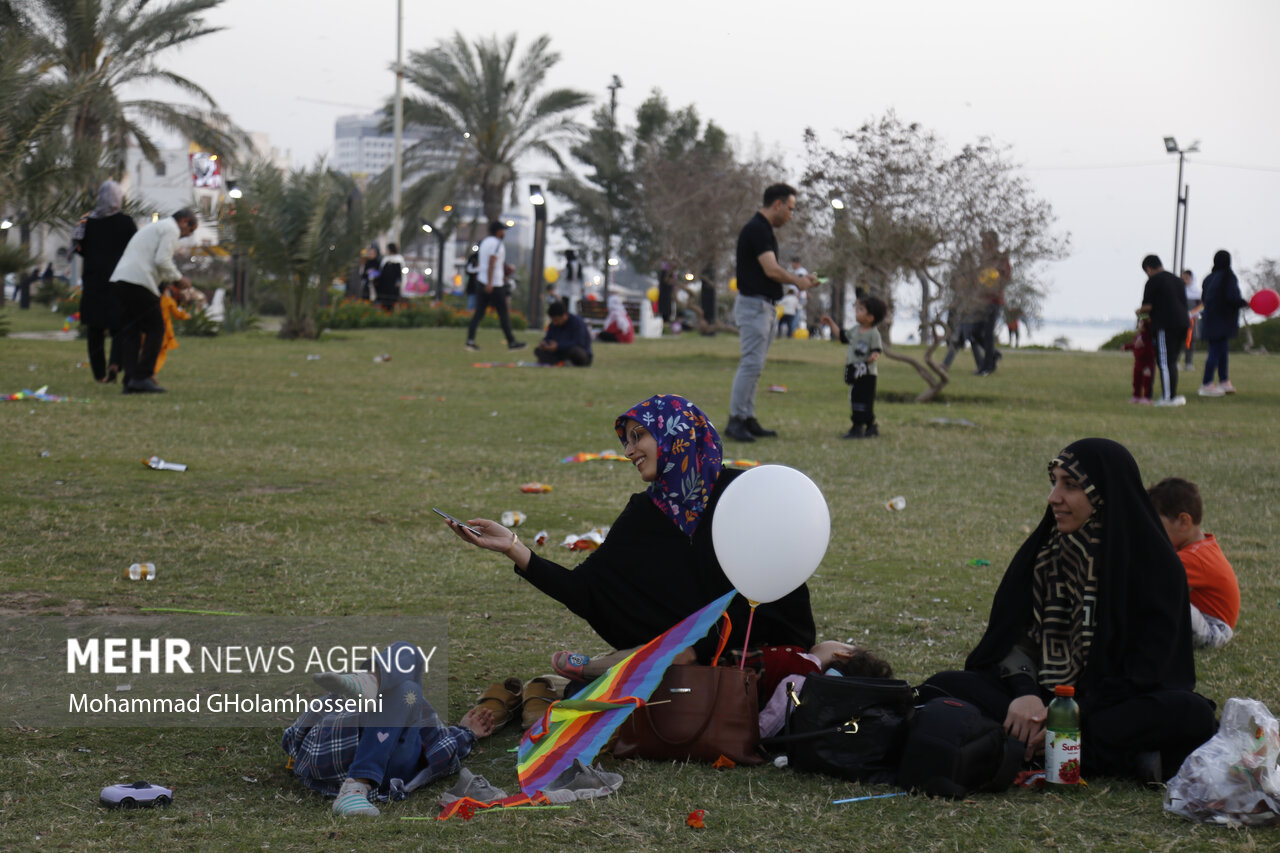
pixel 1216 360
pixel 756 317
pixel 390 748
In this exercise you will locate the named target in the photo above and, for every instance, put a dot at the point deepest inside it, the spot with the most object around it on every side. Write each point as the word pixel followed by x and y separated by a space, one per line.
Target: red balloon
pixel 1265 302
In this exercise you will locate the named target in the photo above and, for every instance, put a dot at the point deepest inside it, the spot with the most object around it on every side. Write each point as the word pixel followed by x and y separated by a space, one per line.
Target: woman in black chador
pixel 1095 598
pixel 101 239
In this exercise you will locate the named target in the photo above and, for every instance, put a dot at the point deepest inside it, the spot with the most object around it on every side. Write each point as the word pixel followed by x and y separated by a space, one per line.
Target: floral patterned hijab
pixel 689 456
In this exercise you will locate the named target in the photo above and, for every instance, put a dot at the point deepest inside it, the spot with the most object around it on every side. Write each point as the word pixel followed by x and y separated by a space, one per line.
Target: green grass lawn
pixel 309 494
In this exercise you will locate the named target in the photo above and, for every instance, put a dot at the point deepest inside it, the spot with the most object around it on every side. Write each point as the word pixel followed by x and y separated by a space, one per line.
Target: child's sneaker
pixel 1227 387
pixel 353 801
pixel 1211 390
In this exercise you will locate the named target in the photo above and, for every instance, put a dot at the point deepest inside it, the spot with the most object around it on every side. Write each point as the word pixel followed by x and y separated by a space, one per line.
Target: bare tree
pixel 1265 274
pixel 692 194
pixel 911 212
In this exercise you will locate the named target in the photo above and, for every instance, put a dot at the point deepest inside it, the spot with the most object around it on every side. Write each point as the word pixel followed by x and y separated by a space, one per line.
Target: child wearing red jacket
pixel 1144 362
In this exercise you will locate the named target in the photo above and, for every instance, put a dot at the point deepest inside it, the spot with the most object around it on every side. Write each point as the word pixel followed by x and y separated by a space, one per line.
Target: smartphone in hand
pixel 473 531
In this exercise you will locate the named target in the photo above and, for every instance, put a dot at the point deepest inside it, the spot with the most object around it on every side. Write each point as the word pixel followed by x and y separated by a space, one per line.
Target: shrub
pixel 409 314
pixel 1266 335
pixel 51 290
pixel 197 325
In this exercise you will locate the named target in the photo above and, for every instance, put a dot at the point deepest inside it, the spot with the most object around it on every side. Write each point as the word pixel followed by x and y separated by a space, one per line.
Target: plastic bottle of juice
pixel 1062 738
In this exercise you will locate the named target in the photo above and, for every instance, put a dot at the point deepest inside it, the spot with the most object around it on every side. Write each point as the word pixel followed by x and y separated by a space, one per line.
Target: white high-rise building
pixel 360 149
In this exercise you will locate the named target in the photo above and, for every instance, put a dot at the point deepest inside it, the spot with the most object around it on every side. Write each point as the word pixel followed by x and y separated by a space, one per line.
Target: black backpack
pixel 952 750
pixel 849 727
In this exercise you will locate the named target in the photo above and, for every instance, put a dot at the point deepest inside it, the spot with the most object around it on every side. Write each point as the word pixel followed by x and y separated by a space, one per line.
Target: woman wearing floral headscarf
pixel 1096 598
pixel 658 564
pixel 101 238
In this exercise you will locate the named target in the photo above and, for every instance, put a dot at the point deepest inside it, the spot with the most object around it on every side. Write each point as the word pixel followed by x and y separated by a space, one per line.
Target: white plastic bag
pixel 1232 778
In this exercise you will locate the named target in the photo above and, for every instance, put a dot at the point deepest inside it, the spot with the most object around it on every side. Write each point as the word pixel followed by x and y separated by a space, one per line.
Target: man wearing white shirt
pixel 146 264
pixel 492 290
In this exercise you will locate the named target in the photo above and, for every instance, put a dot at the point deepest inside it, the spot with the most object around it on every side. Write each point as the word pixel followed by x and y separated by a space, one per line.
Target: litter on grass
pixel 604 455
pixel 535 488
pixel 42 395
pixel 155 463
pixel 588 541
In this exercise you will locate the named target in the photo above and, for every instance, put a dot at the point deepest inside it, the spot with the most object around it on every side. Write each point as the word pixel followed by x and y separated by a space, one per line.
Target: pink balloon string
pixel 751 618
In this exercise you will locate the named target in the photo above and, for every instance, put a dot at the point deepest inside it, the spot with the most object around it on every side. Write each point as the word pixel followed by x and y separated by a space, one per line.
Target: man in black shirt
pixel 1165 300
pixel 760 280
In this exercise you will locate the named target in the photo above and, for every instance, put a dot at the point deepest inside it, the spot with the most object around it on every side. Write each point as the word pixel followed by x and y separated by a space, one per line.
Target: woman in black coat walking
pixel 100 239
pixel 1219 323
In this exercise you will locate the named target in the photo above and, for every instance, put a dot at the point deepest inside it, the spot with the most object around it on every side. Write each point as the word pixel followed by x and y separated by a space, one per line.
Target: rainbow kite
pixel 578 728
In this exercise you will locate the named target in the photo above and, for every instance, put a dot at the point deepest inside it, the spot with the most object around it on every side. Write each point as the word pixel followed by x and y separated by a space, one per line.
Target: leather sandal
pixel 569 665
pixel 503 698
pixel 539 693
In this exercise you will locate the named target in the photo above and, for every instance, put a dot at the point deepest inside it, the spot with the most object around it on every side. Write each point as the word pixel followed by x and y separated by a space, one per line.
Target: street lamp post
pixel 539 202
pixel 1180 211
pixel 613 88
pixel 398 121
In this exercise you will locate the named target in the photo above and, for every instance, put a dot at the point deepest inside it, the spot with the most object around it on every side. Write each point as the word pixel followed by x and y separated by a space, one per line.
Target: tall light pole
pixel 1180 212
pixel 613 88
pixel 397 163
pixel 539 202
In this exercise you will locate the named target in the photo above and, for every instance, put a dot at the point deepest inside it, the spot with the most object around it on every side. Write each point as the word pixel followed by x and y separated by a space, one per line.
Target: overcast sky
pixel 1083 92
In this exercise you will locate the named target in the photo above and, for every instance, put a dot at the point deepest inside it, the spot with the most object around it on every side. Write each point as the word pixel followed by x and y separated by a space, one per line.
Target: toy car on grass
pixel 135 796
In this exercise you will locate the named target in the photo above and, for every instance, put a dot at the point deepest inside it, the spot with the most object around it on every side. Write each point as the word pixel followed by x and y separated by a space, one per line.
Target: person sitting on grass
pixel 860 364
pixel 1215 592
pixel 618 328
pixel 788 666
pixel 658 564
pixel 359 756
pixel 1095 598
pixel 567 338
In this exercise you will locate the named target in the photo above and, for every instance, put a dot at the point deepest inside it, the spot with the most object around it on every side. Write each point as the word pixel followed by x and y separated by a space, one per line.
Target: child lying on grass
pixel 382 754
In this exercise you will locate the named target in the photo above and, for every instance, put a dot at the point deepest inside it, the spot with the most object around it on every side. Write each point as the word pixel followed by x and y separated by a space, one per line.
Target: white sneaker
pixel 1176 401
pixel 1227 387
pixel 1211 390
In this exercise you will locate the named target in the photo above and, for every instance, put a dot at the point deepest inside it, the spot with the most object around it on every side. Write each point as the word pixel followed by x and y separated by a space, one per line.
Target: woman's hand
pixel 830 651
pixel 494 537
pixel 1025 721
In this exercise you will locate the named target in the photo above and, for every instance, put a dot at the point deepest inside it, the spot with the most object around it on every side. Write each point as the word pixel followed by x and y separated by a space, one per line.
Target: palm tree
pixel 496 110
pixel 303 229
pixel 40 167
pixel 116 44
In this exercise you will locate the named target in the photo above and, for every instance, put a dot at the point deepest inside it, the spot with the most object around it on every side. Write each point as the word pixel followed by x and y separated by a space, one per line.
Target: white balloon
pixel 770 530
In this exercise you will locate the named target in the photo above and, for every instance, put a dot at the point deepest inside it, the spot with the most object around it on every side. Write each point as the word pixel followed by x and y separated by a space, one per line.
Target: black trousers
pixel 1169 345
pixel 497 299
pixel 140 309
pixel 577 356
pixel 1172 722
pixel 862 400
pixel 98 360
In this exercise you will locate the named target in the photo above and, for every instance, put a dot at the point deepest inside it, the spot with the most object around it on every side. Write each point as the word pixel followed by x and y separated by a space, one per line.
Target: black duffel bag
pixel 952 750
pixel 849 727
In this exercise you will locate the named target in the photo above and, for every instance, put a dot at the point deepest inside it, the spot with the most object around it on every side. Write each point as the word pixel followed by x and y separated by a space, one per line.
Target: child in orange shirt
pixel 169 308
pixel 1215 592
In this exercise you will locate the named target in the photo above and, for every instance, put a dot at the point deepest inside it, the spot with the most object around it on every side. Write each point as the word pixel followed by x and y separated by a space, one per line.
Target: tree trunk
pixel 934 374
pixel 493 202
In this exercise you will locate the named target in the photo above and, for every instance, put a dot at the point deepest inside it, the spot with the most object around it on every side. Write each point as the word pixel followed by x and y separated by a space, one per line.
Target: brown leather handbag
pixel 698 713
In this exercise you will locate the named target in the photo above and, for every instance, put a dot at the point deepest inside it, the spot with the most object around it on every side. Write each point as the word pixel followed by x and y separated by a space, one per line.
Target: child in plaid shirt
pixel 352 755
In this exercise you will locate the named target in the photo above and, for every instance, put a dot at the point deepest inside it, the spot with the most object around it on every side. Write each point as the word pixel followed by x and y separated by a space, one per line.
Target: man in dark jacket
pixel 1165 300
pixel 567 338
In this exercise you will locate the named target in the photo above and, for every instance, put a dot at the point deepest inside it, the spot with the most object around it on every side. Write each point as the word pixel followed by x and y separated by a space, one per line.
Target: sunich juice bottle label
pixel 1062 757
